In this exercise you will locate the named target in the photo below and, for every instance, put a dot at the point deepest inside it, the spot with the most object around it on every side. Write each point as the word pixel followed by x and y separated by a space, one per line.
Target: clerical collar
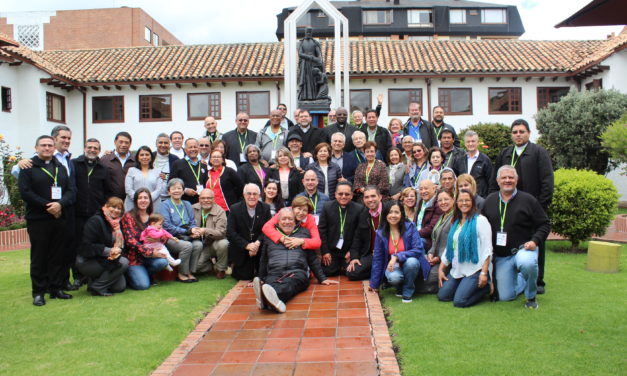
pixel 377 212
pixel 519 149
pixel 306 128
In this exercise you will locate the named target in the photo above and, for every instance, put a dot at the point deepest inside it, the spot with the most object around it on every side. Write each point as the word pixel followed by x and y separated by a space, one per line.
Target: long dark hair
pixel 135 212
pixel 278 200
pixel 473 210
pixel 383 219
pixel 152 158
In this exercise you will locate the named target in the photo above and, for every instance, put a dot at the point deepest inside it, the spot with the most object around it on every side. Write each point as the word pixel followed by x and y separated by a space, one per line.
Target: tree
pixel 571 129
pixel 493 137
pixel 614 140
pixel 583 204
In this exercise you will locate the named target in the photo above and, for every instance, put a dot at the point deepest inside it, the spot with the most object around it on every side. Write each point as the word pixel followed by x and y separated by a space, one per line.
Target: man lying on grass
pixel 283 270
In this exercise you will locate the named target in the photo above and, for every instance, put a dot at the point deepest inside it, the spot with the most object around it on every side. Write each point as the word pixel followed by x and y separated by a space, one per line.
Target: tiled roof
pixel 368 58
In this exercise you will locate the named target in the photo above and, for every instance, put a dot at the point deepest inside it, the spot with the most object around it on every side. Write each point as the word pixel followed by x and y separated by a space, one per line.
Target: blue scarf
pixel 466 242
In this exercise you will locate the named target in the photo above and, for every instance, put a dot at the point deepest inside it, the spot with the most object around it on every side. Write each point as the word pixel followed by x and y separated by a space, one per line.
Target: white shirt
pixel 122 161
pixel 62 158
pixel 179 153
pixel 472 160
pixel 484 250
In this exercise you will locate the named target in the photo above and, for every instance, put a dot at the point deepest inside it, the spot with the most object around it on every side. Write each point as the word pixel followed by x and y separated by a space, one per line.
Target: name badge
pixel 273 154
pixel 242 158
pixel 317 218
pixel 199 188
pixel 340 243
pixel 501 239
pixel 55 193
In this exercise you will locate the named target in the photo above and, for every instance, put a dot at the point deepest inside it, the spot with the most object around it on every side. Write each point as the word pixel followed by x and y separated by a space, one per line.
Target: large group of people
pixel 403 206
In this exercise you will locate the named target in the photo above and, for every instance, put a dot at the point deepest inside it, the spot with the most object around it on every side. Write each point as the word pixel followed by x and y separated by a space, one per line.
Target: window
pixel 456 101
pixel 493 16
pixel 504 100
pixel 304 20
pixel 399 100
pixel 457 16
pixel 361 100
pixel 147 34
pixel 419 18
pixel 255 103
pixel 595 85
pixel 30 36
pixel 155 39
pixel 548 95
pixel 201 105
pixel 7 104
pixel 321 14
pixel 55 108
pixel 155 107
pixel 377 17
pixel 107 109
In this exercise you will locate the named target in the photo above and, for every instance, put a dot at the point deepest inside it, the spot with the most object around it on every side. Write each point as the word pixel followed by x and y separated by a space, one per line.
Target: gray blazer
pixel 440 238
pixel 399 176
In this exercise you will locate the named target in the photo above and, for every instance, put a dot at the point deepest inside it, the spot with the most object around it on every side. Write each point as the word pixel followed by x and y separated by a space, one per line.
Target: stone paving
pixel 327 330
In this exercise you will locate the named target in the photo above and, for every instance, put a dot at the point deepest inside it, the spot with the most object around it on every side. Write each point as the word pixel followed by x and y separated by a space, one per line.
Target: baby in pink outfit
pixel 155 231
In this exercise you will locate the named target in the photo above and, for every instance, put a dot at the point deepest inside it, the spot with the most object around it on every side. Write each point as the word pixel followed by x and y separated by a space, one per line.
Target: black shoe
pixel 38 300
pixel 71 286
pixel 59 294
pixel 184 280
pixel 99 293
pixel 540 290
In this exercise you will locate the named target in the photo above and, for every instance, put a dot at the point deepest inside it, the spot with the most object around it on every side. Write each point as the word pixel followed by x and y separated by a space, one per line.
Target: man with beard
pixel 418 128
pixel 341 125
pixel 439 124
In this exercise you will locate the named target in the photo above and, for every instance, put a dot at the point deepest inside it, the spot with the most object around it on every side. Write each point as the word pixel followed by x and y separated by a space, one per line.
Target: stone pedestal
pixel 320 105
pixel 603 257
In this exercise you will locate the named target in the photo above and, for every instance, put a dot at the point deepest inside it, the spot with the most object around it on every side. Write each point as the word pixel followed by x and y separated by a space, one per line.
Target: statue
pixel 313 87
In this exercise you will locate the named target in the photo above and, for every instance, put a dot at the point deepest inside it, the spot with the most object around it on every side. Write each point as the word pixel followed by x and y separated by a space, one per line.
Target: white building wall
pixel 616 76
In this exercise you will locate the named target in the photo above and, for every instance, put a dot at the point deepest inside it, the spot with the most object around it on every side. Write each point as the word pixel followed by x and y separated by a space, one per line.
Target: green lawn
pixel 579 329
pixel 127 334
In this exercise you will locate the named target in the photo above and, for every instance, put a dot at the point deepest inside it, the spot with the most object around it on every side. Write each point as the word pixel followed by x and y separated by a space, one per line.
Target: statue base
pixel 317 105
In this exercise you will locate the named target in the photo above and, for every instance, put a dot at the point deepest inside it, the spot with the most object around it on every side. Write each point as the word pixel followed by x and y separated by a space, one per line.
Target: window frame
pixel 543 95
pixel 238 109
pixel 390 113
pixel 7 99
pixel 510 91
pixel 151 119
pixel 388 11
pixel 49 107
pixel 409 24
pixel 464 14
pixel 350 94
pixel 447 111
pixel 155 39
pixel 149 31
pixel 114 98
pixel 503 11
pixel 219 112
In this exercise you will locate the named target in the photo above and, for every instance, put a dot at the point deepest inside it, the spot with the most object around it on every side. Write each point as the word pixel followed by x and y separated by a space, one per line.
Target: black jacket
pixel 426 133
pixel 334 173
pixel 247 174
pixel 233 147
pixel 92 189
pixel 171 159
pixel 535 172
pixel 181 169
pixel 117 173
pixel 356 229
pixel 35 188
pixel 231 185
pixel 97 241
pixel 481 171
pixel 311 139
pixel 382 139
pixel 444 126
pixel 347 130
pixel 295 182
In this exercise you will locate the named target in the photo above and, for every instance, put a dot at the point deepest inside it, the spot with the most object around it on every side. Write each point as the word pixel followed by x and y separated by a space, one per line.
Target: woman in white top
pixel 143 176
pixel 436 157
pixel 469 250
pixel 220 146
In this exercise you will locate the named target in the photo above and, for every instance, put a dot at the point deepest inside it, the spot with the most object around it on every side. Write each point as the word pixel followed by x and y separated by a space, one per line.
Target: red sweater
pixel 269 229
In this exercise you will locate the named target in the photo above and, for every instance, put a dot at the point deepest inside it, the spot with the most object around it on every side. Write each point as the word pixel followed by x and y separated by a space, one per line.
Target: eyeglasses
pixel 464 201
pixel 211 122
pixel 243 120
pixel 204 145
pixel 519 132
pixel 251 194
pixel 343 194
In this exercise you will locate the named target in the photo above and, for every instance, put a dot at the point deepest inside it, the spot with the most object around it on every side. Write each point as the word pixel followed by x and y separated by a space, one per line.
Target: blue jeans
pixel 404 275
pixel 517 273
pixel 138 276
pixel 464 292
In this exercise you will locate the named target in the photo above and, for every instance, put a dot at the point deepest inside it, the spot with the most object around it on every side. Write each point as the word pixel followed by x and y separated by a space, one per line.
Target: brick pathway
pixel 327 330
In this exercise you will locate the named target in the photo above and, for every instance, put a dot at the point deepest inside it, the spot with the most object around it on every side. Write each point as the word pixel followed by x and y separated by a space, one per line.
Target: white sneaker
pixel 169 268
pixel 257 289
pixel 272 298
pixel 406 299
pixel 176 262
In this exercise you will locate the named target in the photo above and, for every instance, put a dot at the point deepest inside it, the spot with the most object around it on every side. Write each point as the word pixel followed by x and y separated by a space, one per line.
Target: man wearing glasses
pixel 535 175
pixel 237 139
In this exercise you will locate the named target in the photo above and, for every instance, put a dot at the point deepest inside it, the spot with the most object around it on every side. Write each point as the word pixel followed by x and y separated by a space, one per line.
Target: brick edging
pixel 178 355
pixel 386 358
pixel 14 239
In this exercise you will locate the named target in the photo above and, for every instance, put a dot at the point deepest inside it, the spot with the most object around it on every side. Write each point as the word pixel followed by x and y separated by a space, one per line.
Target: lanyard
pixel 242 144
pixel 56 173
pixel 196 173
pixel 203 218
pixel 439 223
pixel 417 176
pixel 260 173
pixel 212 186
pixel 314 203
pixel 292 233
pixel 502 213
pixel 448 159
pixel 213 137
pixel 374 136
pixel 181 214
pixel 368 171
pixel 421 215
pixel 438 130
pixel 514 161
pixel 357 155
pixel 395 243
pixel 342 222
pixel 276 138
pixel 372 223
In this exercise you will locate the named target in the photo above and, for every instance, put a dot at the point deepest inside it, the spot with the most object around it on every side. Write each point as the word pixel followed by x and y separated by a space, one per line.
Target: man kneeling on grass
pixel 284 271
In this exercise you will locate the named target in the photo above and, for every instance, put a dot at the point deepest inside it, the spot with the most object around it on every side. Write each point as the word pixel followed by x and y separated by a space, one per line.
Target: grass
pixel 579 329
pixel 128 334
pixel 621 211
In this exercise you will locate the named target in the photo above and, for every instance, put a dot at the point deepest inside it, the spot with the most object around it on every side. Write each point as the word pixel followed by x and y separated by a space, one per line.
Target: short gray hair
pixel 357 133
pixel 252 185
pixel 175 181
pixel 507 168
pixel 162 135
pixel 286 210
pixel 470 134
pixel 339 134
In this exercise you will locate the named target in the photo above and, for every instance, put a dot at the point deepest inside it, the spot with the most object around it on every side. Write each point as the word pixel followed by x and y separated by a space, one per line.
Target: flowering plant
pixel 9 192
pixel 8 218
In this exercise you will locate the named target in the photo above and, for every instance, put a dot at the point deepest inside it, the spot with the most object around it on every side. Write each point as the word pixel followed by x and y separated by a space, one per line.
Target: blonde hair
pixel 115 202
pixel 467 178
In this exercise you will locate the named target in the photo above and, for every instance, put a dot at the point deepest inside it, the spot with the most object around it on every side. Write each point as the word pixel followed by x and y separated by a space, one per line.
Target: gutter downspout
pixel 278 93
pixel 428 81
pixel 84 117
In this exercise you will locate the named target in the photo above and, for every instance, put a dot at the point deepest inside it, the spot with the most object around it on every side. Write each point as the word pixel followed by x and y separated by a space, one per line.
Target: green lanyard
pixel 276 139
pixel 56 173
pixel 502 213
pixel 395 243
pixel 217 180
pixel 448 160
pixel 437 133
pixel 242 143
pixel 357 155
pixel 342 222
pixel 374 136
pixel 196 173
pixel 292 233
pixel 417 176
pixel 439 224
pixel 203 218
pixel 213 137
pixel 514 161
pixel 314 203
pixel 181 214
pixel 421 215
pixel 368 171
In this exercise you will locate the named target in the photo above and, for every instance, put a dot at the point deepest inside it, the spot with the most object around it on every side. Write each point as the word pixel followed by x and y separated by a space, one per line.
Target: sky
pixel 242 21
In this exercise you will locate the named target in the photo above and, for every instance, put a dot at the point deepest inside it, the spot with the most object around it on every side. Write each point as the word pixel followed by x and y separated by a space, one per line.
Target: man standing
pixel 439 125
pixel 477 164
pixel 204 150
pixel 341 125
pixel 377 133
pixel 338 140
pixel 344 233
pixel 535 175
pixel 331 117
pixel 317 198
pixel 46 190
pixel 177 138
pixel 272 137
pixel 211 129
pixel 118 163
pixel 191 171
pixel 237 139
pixel 285 123
pixel 519 226
pixel 212 221
pixel 310 136
pixel 418 128
pixel 450 152
pixel 163 160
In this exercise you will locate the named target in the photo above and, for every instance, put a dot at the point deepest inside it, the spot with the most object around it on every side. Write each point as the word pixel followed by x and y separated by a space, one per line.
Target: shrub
pixel 8 183
pixel 493 137
pixel 583 204
pixel 614 140
pixel 571 128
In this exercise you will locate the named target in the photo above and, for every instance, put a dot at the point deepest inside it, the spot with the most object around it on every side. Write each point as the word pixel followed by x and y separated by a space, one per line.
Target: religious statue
pixel 312 81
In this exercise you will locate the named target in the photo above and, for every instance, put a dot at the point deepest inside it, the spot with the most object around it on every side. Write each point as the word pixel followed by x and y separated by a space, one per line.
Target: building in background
pixel 85 28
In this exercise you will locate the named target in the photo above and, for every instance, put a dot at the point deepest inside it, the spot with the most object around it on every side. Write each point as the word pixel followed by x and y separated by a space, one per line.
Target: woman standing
pixel 436 157
pixel 224 182
pixel 396 131
pixel 143 176
pixel 179 221
pixel 143 262
pixel 445 199
pixel 469 250
pixel 396 172
pixel 371 172
pixel 99 256
pixel 328 172
pixel 398 253
pixel 467 182
pixel 287 175
pixel 419 164
pixel 272 196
